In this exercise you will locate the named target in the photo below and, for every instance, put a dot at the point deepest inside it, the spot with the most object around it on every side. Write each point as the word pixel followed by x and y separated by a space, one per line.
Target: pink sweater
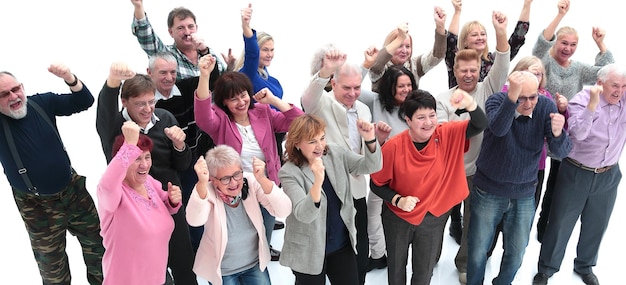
pixel 135 231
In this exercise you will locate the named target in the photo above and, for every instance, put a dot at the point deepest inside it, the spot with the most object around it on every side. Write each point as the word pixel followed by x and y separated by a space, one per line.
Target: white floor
pixel 20 268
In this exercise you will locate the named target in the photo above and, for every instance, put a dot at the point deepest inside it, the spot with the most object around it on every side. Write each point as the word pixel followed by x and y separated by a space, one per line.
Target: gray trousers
pixel 578 193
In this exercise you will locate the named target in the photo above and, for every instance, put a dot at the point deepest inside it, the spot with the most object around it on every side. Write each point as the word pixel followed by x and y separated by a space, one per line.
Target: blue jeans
pixel 252 276
pixel 486 211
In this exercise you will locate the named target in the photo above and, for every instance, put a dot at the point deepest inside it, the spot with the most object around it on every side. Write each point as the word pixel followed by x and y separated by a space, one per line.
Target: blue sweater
pixel 251 68
pixel 42 153
pixel 509 157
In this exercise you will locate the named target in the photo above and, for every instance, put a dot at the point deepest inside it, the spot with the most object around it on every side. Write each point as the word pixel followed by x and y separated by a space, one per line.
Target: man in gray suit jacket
pixel 340 109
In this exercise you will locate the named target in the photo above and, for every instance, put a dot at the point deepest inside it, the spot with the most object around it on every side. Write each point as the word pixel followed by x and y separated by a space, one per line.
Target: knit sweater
pixel 568 81
pixel 509 157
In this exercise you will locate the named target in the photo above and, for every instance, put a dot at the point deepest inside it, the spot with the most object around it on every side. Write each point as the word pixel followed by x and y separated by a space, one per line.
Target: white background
pixel 89 35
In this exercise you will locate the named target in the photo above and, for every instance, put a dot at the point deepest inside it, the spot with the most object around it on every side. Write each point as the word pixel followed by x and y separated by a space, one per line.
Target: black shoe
pixel 278 225
pixel 540 279
pixel 456 231
pixel 275 254
pixel 378 263
pixel 589 278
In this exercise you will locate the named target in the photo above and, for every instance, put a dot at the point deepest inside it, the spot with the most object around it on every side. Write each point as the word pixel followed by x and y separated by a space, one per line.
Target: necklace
pixel 243 121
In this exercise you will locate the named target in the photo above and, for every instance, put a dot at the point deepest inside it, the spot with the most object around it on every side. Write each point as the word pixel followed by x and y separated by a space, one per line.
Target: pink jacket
pixel 210 212
pixel 265 123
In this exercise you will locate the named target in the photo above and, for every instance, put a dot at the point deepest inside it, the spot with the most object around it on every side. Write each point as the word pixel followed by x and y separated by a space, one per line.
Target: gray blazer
pixel 304 246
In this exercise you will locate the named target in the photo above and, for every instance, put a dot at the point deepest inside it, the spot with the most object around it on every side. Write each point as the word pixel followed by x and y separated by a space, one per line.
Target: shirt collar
pixel 174 92
pixel 150 124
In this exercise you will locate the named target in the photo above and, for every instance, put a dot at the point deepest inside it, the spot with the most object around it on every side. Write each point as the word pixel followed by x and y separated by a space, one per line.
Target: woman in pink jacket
pixel 233 249
pixel 135 214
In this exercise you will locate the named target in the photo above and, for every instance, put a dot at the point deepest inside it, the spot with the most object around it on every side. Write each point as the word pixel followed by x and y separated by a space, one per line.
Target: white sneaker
pixel 463 278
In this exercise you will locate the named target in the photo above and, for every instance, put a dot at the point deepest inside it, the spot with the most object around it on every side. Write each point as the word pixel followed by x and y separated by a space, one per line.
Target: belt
pixel 594 170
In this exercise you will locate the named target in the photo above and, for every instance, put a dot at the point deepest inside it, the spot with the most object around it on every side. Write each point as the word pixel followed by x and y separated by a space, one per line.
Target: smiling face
pixel 528 96
pixel 233 174
pixel 613 88
pixel 137 172
pixel 238 105
pixel 422 124
pixel 466 73
pixel 564 48
pixel 163 75
pixel 403 53
pixel 403 88
pixel 181 32
pixel 476 39
pixel 12 98
pixel 266 53
pixel 140 108
pixel 312 148
pixel 347 88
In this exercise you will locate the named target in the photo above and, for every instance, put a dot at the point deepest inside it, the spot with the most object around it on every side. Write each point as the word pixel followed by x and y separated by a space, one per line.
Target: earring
pixel 298 148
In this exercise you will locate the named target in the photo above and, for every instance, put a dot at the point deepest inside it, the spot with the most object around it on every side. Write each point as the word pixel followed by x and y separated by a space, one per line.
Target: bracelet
pixel 370 142
pixel 73 83
pixel 397 200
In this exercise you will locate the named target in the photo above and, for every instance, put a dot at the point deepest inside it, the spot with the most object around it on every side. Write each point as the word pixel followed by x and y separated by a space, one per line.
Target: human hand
pixel 137 3
pixel 594 97
pixel 318 169
pixel 440 17
pixel 61 71
pixel 563 6
pixel 462 100
pixel 206 64
pixel 246 16
pixel 174 193
pixel 598 35
pixel 516 79
pixel 176 135
pixel 403 30
pixel 366 129
pixel 198 41
pixel 265 96
pixel 202 170
pixel 371 53
pixel 561 103
pixel 499 20
pixel 382 131
pixel 557 121
pixel 407 203
pixel 258 168
pixel 130 130
pixel 333 59
pixel 229 59
pixel 120 71
pixel 457 5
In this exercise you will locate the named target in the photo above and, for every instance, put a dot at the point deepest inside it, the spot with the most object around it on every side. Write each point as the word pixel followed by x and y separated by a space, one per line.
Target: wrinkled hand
pixel 598 35
pixel 264 96
pixel 366 129
pixel 440 17
pixel 120 71
pixel 408 203
pixel 371 53
pixel 558 121
pixel 382 131
pixel 258 168
pixel 563 6
pixel 516 81
pixel 130 130
pixel 176 135
pixel 318 169
pixel 206 64
pixel 561 102
pixel 61 71
pixel 202 170
pixel 403 30
pixel 174 193
pixel 333 59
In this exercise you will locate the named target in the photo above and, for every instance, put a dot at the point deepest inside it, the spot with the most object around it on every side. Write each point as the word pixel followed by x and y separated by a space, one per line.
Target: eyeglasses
pixel 143 104
pixel 523 99
pixel 15 90
pixel 237 176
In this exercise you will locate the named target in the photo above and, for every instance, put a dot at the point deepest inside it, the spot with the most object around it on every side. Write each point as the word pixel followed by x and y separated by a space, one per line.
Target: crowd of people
pixel 204 154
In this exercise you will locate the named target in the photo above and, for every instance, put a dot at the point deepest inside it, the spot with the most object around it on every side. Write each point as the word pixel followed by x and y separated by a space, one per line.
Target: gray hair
pixel 605 71
pixel 221 156
pixel 318 57
pixel 347 69
pixel 160 55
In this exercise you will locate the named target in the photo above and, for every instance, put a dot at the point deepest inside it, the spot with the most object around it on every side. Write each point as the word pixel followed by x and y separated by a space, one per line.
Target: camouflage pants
pixel 48 217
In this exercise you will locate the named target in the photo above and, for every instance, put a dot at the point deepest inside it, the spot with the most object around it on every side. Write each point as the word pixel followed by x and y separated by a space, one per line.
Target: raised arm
pixel 549 31
pixel 333 59
pixel 598 37
pixel 206 64
pixel 453 28
pixel 246 16
pixel 524 16
pixel 139 11
pixel 499 23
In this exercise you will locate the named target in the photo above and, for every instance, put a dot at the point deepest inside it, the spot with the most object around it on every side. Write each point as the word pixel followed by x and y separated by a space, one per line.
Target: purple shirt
pixel 598 137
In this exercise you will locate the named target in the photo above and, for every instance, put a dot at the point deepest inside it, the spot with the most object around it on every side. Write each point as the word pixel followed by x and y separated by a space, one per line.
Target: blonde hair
pixel 563 31
pixel 261 38
pixel 524 63
pixel 464 34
